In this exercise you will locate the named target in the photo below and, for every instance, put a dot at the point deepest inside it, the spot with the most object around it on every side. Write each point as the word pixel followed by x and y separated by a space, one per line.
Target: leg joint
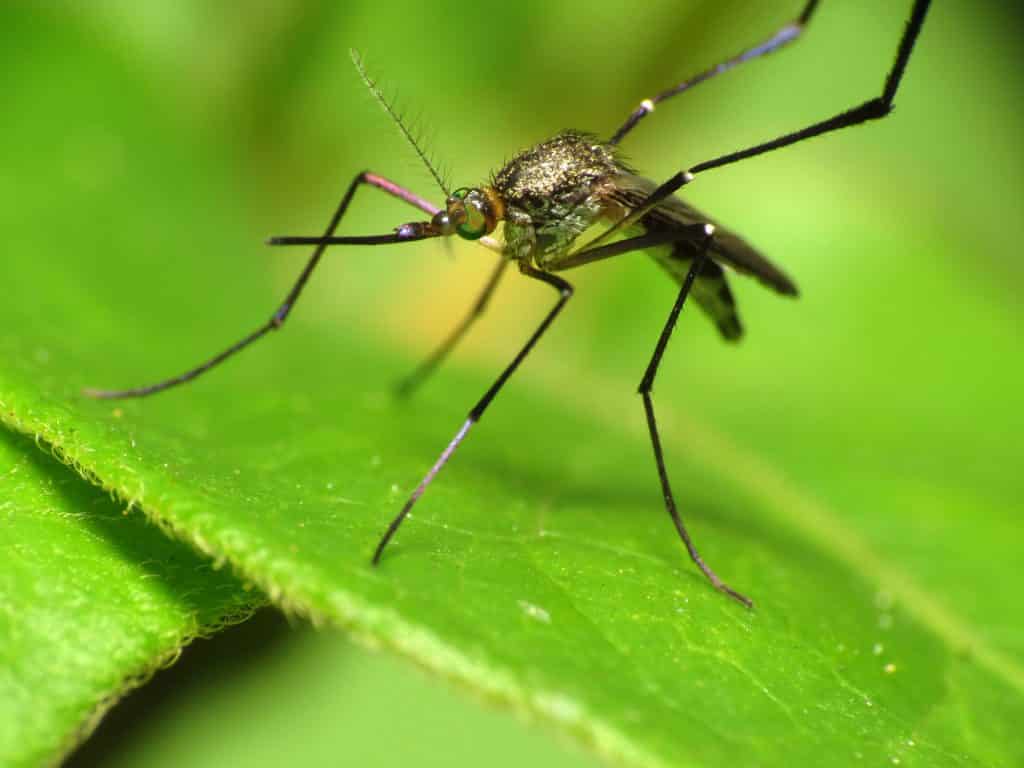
pixel 876 108
pixel 280 316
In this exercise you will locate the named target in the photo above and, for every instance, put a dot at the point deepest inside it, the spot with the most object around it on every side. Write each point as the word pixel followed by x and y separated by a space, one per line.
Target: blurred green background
pixel 892 387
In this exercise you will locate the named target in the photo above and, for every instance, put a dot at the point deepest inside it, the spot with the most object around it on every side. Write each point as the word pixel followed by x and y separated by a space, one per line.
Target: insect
pixel 547 197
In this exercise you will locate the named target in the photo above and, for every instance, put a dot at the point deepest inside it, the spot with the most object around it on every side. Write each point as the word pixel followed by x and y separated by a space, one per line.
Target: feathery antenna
pixel 389 107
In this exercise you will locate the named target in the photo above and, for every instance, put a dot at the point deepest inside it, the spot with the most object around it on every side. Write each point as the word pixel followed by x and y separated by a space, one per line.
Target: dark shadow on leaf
pixel 206 663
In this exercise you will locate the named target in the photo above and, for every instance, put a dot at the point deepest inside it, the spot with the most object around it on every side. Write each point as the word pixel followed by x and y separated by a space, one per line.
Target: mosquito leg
pixel 564 292
pixel 872 109
pixel 412 382
pixel 281 314
pixel 701 236
pixel 646 386
pixel 869 110
pixel 650 239
pixel 785 35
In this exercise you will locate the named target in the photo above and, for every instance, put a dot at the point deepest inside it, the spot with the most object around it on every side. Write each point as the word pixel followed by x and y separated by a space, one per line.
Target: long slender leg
pixel 651 239
pixel 417 377
pixel 703 235
pixel 281 314
pixel 872 109
pixel 646 386
pixel 564 292
pixel 785 35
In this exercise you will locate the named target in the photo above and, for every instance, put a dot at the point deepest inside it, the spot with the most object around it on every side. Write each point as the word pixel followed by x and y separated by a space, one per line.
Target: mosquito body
pixel 548 199
pixel 562 188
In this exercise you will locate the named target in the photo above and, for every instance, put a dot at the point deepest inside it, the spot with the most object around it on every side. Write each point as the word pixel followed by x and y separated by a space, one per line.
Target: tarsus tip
pixel 110 394
pixel 746 601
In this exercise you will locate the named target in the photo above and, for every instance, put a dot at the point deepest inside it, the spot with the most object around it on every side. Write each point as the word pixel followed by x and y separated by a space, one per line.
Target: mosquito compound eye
pixel 477 218
pixel 475 225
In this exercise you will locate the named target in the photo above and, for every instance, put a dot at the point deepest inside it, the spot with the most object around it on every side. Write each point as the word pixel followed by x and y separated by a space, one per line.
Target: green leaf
pixel 853 465
pixel 92 601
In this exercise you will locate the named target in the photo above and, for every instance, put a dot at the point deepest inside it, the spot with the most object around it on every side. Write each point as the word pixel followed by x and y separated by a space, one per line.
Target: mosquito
pixel 547 197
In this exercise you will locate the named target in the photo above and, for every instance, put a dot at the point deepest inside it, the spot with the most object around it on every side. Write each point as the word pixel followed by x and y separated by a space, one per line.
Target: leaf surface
pixel 820 467
pixel 92 601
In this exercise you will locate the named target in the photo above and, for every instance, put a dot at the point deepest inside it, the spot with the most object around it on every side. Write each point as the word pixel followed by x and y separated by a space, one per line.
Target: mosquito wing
pixel 727 247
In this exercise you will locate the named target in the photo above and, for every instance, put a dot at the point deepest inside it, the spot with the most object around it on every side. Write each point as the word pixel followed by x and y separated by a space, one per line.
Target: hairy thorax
pixel 552 193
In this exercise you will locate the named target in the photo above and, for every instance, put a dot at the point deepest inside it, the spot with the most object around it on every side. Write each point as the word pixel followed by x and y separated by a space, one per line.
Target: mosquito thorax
pixel 553 192
pixel 560 170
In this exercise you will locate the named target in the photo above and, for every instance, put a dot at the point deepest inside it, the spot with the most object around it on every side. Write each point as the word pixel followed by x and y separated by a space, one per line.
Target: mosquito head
pixel 469 213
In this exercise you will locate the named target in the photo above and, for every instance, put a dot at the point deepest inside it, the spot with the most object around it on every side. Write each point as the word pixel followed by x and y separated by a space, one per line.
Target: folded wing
pixel 727 247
